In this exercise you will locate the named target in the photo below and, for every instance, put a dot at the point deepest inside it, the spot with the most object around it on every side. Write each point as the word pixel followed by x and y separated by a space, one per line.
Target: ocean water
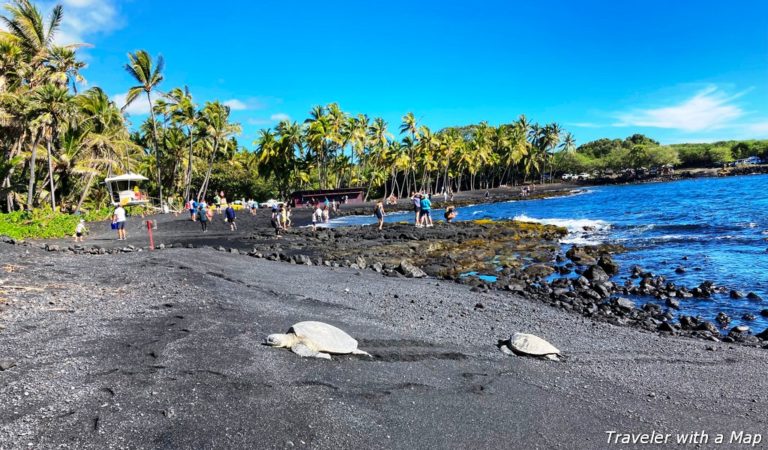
pixel 719 224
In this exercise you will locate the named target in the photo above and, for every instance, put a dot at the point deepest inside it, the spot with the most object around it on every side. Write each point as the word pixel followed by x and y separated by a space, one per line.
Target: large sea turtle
pixel 315 339
pixel 528 344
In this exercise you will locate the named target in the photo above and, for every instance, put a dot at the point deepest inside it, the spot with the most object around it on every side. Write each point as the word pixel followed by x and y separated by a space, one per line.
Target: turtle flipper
pixel 306 352
pixel 360 352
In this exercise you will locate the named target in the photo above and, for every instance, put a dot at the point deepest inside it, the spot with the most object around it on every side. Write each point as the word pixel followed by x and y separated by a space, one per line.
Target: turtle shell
pixel 324 337
pixel 531 345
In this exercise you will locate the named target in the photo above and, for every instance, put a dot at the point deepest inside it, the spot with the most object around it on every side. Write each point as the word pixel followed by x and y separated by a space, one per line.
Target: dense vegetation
pixel 59 144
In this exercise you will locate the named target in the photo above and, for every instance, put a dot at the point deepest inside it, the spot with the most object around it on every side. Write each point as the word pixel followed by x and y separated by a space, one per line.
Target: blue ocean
pixel 713 228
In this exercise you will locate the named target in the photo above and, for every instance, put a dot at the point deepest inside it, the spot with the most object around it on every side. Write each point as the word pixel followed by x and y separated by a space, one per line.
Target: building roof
pixel 317 192
pixel 130 176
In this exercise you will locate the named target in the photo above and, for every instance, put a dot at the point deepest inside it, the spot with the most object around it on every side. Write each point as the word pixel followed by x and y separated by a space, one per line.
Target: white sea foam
pixel 572 225
pixel 580 231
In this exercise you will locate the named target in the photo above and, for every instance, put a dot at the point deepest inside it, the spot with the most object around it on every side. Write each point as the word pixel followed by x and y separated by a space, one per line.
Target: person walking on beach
pixel 222 202
pixel 202 212
pixel 118 218
pixel 378 211
pixel 326 215
pixel 288 222
pixel 80 231
pixel 275 219
pixel 426 208
pixel 317 217
pixel 416 200
pixel 229 215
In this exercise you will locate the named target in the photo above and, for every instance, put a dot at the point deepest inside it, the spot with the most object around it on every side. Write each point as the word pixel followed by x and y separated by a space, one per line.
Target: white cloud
pixel 278 117
pixel 760 128
pixel 139 107
pixel 83 19
pixel 274 118
pixel 236 105
pixel 709 109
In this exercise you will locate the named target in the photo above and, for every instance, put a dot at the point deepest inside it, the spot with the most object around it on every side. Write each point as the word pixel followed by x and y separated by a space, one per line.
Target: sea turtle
pixel 528 344
pixel 315 339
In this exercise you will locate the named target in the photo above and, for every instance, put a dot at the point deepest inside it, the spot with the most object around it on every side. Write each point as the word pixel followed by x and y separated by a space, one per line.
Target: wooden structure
pixel 344 195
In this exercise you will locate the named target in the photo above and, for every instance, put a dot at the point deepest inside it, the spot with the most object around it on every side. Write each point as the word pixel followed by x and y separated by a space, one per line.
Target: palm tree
pixel 215 118
pixel 105 143
pixel 140 67
pixel 184 112
pixel 56 106
pixel 29 30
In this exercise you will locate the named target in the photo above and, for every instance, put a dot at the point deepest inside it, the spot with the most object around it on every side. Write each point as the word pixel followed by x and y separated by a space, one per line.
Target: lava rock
pixel 409 270
pixel 624 303
pixel 608 264
pixel 753 296
pixel 734 294
pixel 596 274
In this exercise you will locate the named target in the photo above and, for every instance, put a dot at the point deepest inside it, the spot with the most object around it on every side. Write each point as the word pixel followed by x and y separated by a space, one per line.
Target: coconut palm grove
pixel 61 137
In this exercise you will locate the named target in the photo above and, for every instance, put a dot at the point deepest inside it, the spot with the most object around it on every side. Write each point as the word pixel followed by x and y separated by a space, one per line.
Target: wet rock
pixel 709 327
pixel 539 270
pixel 734 294
pixel 624 303
pixel 580 255
pixel 667 327
pixel 748 317
pixel 672 303
pixel 608 264
pixel 753 296
pixel 680 270
pixel 763 335
pixel 723 319
pixel 596 274
pixel 764 312
pixel 409 270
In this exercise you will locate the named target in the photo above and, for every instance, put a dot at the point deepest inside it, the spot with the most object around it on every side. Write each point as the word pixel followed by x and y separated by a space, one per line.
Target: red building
pixel 345 195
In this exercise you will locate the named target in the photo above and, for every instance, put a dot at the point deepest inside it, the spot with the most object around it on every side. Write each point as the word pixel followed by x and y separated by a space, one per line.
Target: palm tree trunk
pixel 50 172
pixel 156 149
pixel 86 189
pixel 204 188
pixel 188 177
pixel 7 180
pixel 31 190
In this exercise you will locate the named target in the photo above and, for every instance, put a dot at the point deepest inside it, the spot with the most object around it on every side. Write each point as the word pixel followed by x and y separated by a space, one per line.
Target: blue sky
pixel 678 71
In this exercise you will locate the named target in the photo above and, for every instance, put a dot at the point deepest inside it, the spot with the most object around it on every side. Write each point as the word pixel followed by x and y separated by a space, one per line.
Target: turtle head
pixel 278 340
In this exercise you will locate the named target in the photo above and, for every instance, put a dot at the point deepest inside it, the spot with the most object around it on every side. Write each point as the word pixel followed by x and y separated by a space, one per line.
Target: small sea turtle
pixel 528 344
pixel 315 339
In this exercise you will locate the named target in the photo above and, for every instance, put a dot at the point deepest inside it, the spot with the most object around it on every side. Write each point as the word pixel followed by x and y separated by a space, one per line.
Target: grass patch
pixel 44 223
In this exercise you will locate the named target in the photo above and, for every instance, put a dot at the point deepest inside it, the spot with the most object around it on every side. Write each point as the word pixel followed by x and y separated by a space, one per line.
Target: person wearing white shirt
pixel 118 218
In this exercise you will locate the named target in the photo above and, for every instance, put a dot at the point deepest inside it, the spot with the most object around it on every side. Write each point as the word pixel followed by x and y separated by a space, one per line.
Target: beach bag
pixel 114 225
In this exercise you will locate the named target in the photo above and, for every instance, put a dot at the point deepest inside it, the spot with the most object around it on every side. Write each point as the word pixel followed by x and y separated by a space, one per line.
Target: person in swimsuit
pixel 378 211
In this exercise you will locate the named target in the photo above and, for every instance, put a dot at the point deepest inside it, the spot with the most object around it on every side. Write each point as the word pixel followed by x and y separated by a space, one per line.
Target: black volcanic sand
pixel 139 349
pixel 162 349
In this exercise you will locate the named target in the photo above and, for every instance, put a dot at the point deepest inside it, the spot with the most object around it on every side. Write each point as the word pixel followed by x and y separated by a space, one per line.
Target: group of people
pixel 422 206
pixel 203 211
pixel 281 217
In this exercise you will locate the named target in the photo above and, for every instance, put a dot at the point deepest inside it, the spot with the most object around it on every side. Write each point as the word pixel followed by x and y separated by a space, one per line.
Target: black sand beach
pixel 163 349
